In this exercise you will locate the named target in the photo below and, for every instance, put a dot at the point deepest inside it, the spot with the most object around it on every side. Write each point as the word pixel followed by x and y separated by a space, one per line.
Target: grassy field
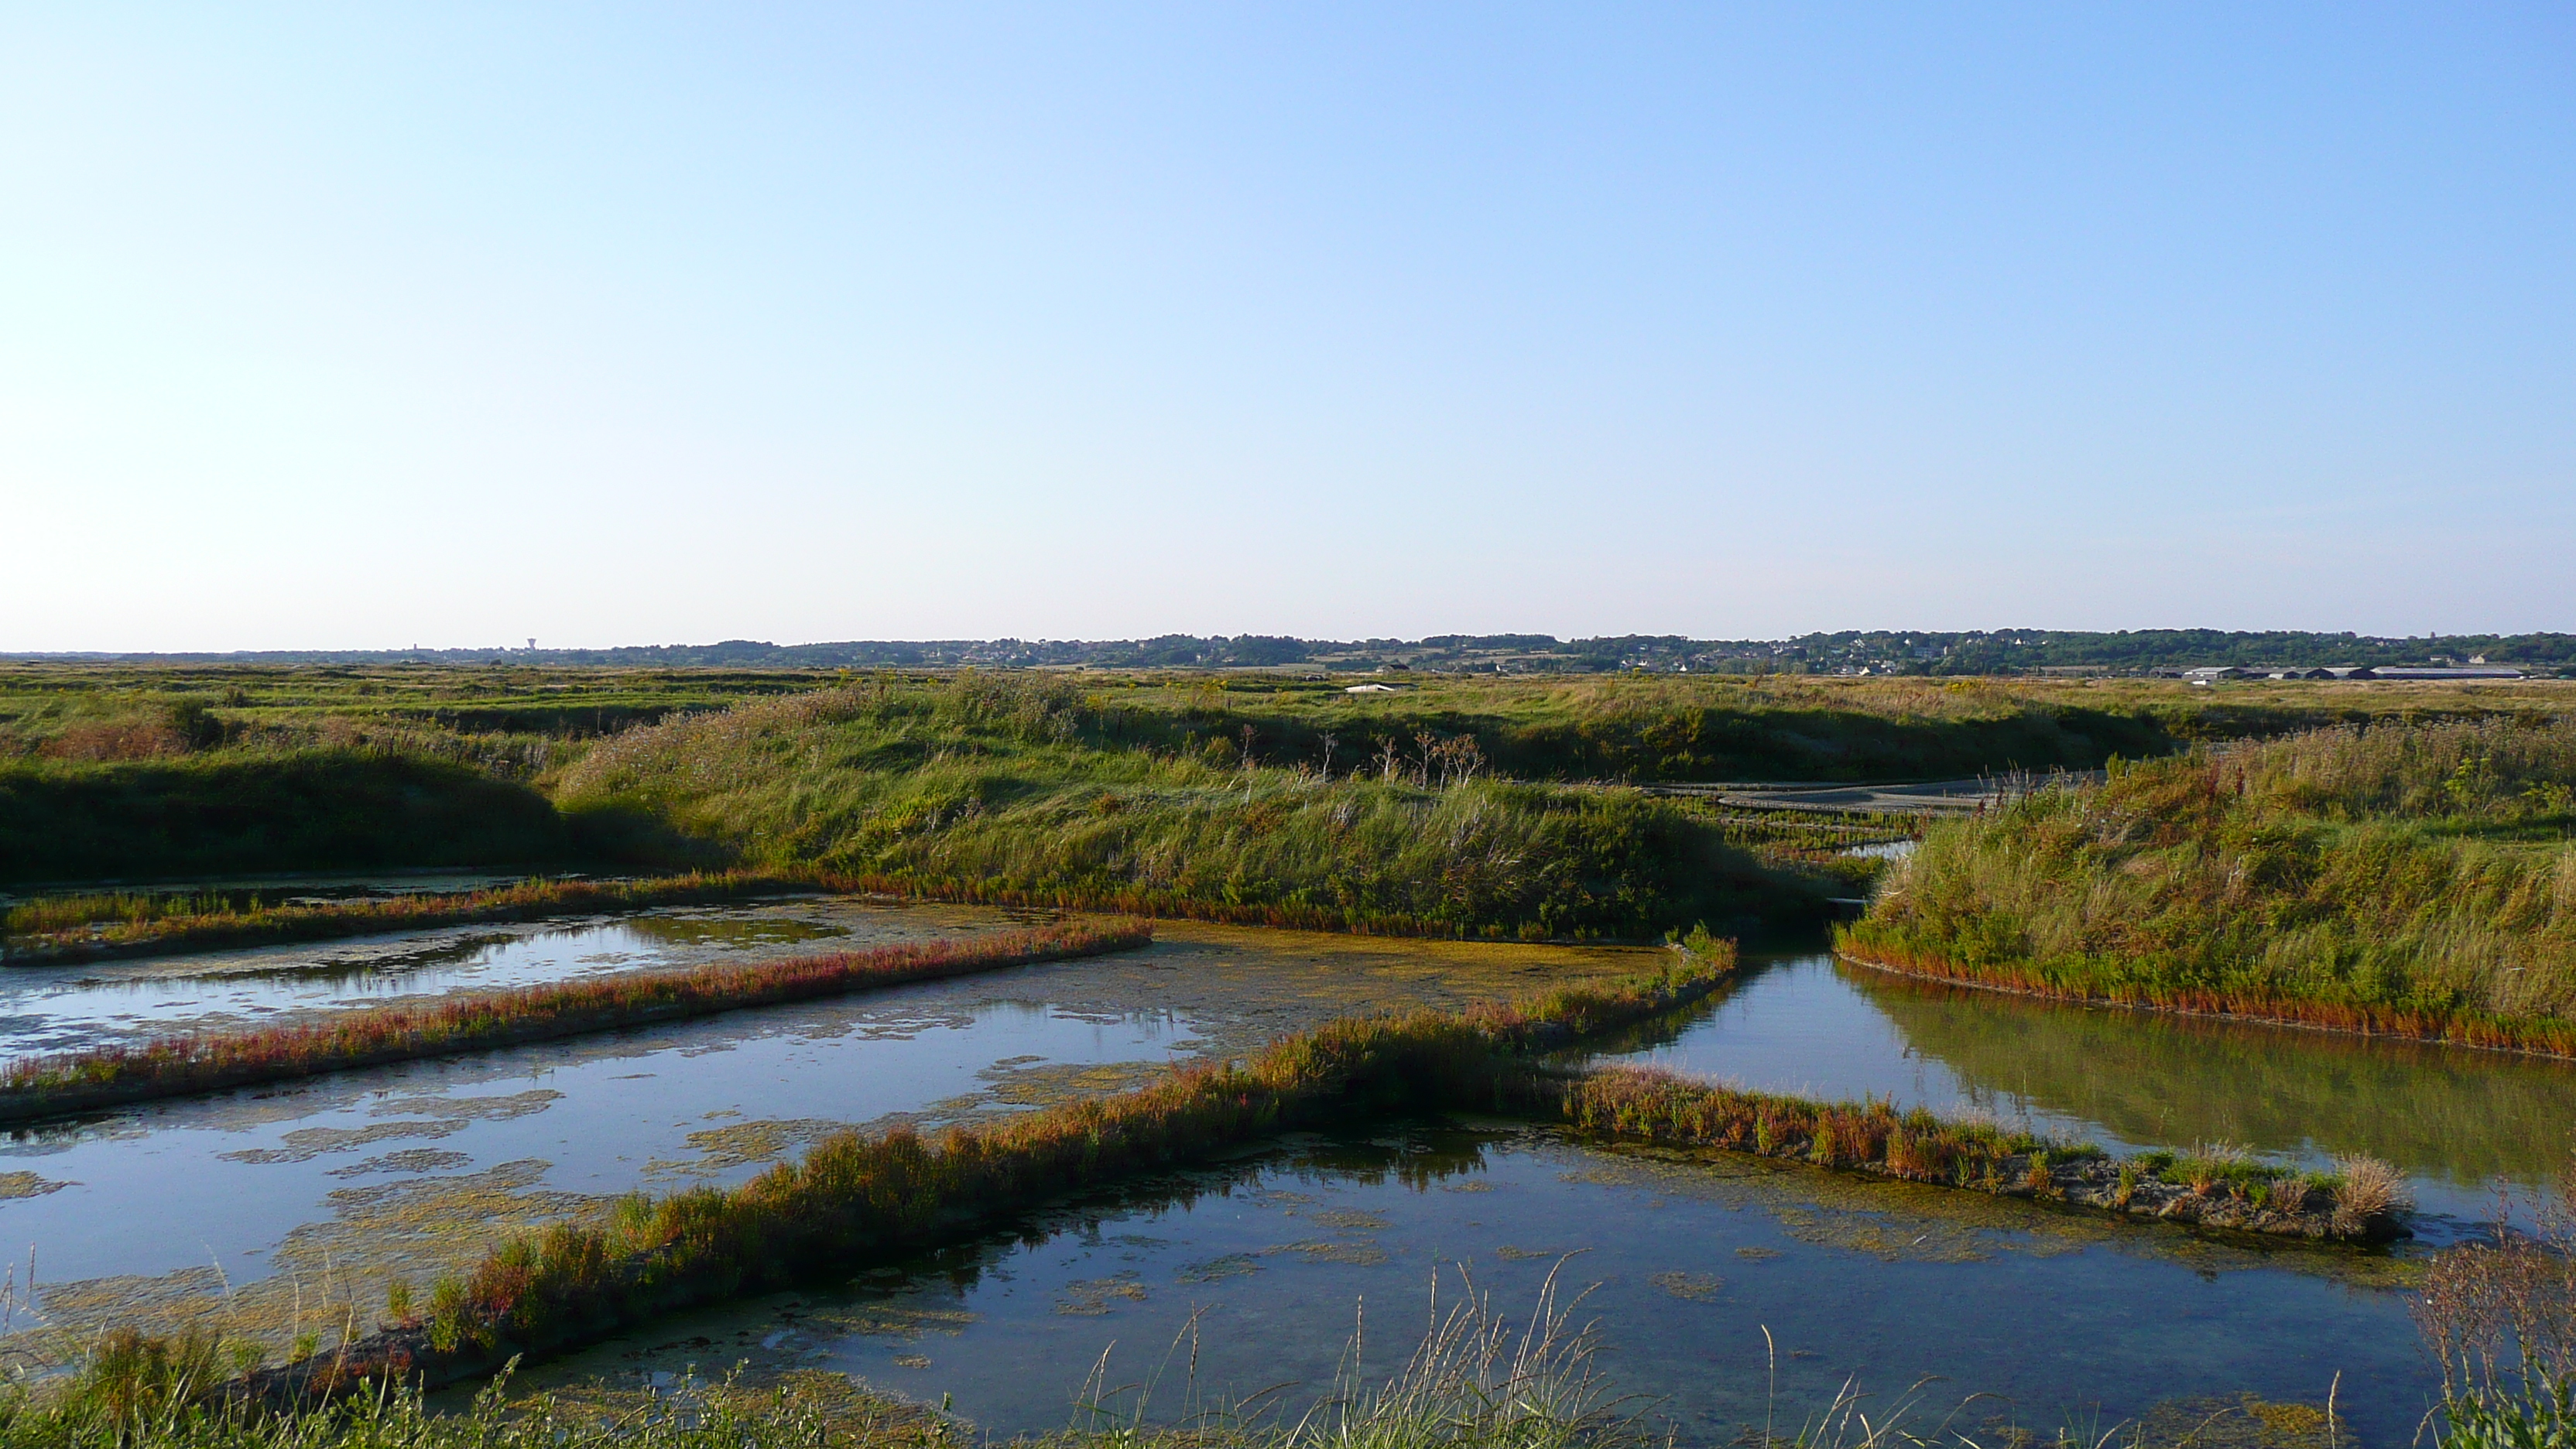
pixel 2408 878
pixel 1030 790
pixel 1458 805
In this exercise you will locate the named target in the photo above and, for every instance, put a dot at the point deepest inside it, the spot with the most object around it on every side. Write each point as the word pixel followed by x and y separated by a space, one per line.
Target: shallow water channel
pixel 76 1006
pixel 286 1209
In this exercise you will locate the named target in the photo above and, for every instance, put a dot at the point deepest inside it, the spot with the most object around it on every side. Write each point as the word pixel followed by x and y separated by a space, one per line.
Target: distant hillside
pixel 1997 651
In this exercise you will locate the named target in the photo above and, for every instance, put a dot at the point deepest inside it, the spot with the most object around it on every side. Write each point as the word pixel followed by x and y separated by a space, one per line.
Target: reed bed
pixel 2404 879
pixel 126 923
pixel 171 1066
pixel 2215 1187
pixel 855 1197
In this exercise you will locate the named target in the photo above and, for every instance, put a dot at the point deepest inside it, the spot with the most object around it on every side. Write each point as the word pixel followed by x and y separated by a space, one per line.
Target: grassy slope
pixel 223 811
pixel 2415 878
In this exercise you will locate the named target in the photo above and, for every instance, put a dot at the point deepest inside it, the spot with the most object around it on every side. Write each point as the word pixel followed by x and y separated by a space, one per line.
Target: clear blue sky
pixel 356 326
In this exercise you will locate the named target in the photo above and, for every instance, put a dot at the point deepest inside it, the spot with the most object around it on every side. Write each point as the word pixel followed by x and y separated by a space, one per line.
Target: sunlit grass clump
pixel 2416 880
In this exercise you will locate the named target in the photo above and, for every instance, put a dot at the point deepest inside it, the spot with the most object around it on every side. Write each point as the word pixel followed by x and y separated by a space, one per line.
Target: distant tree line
pixel 1996 651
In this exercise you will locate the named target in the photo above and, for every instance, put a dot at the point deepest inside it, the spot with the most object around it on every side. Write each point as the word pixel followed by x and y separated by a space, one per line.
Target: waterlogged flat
pixel 283 1209
pixel 82 1006
pixel 2457 1122
pixel 2071 1320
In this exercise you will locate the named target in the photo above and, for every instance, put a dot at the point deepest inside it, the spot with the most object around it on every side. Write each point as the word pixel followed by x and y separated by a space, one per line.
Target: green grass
pixel 224 812
pixel 1478 806
pixel 2409 879
pixel 1031 790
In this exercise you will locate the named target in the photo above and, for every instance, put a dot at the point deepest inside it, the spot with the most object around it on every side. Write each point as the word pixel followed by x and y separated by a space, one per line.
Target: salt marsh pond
pixel 287 1210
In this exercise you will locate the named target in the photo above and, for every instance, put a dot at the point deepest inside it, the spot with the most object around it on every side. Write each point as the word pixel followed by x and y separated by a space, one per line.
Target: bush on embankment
pixel 226 811
pixel 34 1087
pixel 1009 789
pixel 2408 879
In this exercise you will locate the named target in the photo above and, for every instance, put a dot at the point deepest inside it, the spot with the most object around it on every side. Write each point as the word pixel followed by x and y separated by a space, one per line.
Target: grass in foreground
pixel 2416 880
pixel 1478 1379
pixel 43 1086
pixel 2499 1316
pixel 112 923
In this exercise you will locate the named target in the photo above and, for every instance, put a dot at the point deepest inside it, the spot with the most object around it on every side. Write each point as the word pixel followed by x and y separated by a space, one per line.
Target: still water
pixel 83 1005
pixel 2460 1124
pixel 2064 1321
pixel 249 1207
pixel 273 1210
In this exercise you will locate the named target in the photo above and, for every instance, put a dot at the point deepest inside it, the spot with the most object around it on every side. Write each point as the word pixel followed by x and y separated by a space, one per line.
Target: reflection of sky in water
pixel 2067 1311
pixel 175 1184
pixel 83 1005
pixel 2454 1120
pixel 2064 1317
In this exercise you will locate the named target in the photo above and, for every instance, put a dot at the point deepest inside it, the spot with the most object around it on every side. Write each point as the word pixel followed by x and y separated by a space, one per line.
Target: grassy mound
pixel 2416 879
pixel 1019 789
